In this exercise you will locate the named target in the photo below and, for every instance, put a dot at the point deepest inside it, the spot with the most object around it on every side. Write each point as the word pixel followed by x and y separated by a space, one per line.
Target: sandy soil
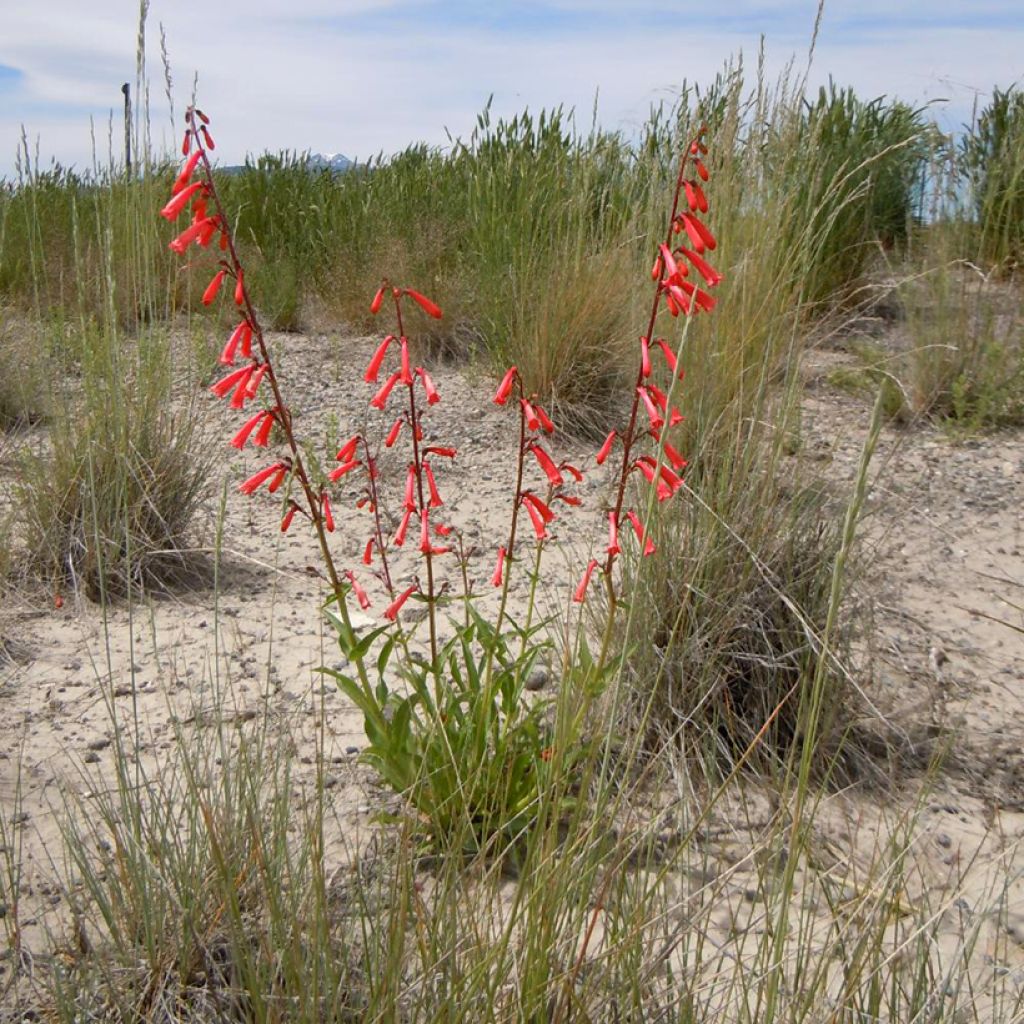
pixel 946 555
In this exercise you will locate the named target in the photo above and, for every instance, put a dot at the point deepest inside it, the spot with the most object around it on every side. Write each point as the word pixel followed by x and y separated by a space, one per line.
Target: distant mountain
pixel 328 161
pixel 335 163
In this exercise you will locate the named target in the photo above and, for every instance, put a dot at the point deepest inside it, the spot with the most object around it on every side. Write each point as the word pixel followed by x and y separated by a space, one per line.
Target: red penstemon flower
pixel 396 606
pixel 435 497
pixel 581 588
pixel 505 387
pixel 546 464
pixel 275 471
pixel 289 516
pixel 423 302
pixel 379 400
pixel 325 508
pixel 378 357
pixel 364 601
pixel 497 575
pixel 428 386
pixel 213 287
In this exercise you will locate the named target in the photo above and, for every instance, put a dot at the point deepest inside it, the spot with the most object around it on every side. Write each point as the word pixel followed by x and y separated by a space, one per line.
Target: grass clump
pixel 109 504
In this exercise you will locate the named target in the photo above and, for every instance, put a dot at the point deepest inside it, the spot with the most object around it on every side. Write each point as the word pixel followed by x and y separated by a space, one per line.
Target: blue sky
pixel 365 76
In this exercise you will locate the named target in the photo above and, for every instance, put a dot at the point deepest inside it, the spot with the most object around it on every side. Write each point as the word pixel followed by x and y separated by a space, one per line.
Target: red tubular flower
pixel 348 449
pixel 442 530
pixel 378 357
pixel 670 356
pixel 677 300
pixel 191 233
pixel 278 479
pixel 379 400
pixel 263 434
pixel 698 233
pixel 545 421
pixel 186 143
pixel 613 535
pixel 673 271
pixel 569 499
pixel 410 488
pixel 406 375
pixel 647 465
pixel 645 358
pixel 241 338
pixel 336 474
pixel 701 169
pixel 289 516
pixel 435 498
pixel 569 468
pixel 702 201
pixel 550 469
pixel 653 413
pixel 505 387
pixel 709 273
pixel 213 287
pixel 396 606
pixel 443 453
pixel 638 529
pixel 364 601
pixel 180 200
pixel 368 552
pixel 256 380
pixel 532 421
pixel 207 138
pixel 428 386
pixel 325 507
pixel 239 287
pixel 678 462
pixel 399 538
pixel 238 441
pixel 226 384
pixel 581 588
pixel 181 182
pixel 606 448
pixel 691 195
pixel 544 511
pixel 258 479
pixel 705 301
pixel 393 433
pixel 378 298
pixel 537 519
pixel 425 547
pixel 496 578
pixel 656 269
pixel 424 303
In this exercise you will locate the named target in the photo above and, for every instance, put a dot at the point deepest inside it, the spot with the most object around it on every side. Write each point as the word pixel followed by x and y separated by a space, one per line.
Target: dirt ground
pixel 944 559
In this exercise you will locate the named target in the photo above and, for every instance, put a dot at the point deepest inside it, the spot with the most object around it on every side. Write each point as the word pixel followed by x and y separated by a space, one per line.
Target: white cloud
pixel 275 76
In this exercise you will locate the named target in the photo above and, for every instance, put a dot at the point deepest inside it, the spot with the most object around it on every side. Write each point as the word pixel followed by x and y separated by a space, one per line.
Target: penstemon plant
pixel 451 732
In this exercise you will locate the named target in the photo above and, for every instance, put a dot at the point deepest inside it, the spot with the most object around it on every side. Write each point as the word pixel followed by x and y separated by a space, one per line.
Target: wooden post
pixel 127 89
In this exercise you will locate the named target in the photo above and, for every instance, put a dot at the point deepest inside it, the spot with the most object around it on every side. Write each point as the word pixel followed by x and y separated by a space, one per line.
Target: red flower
pixel 191 233
pixel 532 420
pixel 393 432
pixel 678 462
pixel 364 601
pixel 670 356
pixel 410 488
pixel 336 474
pixel 378 401
pixel 348 449
pixel 435 498
pixel 325 507
pixel 532 501
pixel 606 448
pixel 443 453
pixel 499 568
pixel 537 520
pixel 255 380
pixel 239 287
pixel 241 338
pixel 406 376
pixel 396 606
pixel 581 588
pixel 258 479
pixel 424 303
pixel 640 533
pixel 399 538
pixel 207 138
pixel 505 387
pixel 428 386
pixel 187 171
pixel 213 287
pixel 569 468
pixel 225 384
pixel 368 552
pixel 378 357
pixel 550 469
pixel 699 234
pixel 546 425
pixel 278 479
pixel 180 199
pixel 238 441
pixel 289 516
pixel 709 273
pixel 701 169
pixel 653 413
pixel 378 299
pixel 263 434
pixel 613 535
pixel 645 358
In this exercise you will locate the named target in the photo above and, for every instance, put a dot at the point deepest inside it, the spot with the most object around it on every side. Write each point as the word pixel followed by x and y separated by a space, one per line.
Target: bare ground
pixel 941 661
